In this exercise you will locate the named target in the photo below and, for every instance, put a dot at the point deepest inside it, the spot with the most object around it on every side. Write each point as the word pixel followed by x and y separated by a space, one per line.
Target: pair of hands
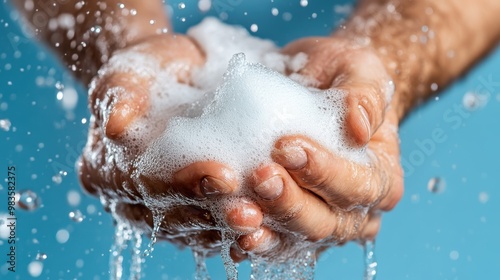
pixel 307 190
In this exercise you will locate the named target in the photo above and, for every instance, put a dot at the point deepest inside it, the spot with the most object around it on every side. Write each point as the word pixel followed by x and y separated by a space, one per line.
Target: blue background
pixel 447 235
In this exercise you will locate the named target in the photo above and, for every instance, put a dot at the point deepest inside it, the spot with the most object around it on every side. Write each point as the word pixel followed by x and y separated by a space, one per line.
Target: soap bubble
pixel 436 185
pixel 76 216
pixel 28 200
pixel 181 5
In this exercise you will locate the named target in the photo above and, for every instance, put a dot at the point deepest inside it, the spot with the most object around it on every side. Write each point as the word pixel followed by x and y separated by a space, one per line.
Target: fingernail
pixel 237 253
pixel 211 187
pixel 271 188
pixel 292 157
pixel 365 119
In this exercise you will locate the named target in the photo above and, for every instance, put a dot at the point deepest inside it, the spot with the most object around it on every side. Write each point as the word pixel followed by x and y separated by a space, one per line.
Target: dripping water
pixel 137 260
pixel 157 219
pixel 370 261
pixel 201 266
pixel 229 265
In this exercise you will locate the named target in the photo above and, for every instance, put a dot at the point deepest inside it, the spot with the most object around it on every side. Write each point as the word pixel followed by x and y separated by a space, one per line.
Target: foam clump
pixel 251 109
pixel 231 114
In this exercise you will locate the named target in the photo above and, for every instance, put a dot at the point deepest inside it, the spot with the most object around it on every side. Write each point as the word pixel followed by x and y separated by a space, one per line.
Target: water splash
pixel 201 266
pixel 370 261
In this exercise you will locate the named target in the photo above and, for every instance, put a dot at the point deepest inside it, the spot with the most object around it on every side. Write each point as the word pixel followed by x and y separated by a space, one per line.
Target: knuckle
pixel 320 234
pixel 289 215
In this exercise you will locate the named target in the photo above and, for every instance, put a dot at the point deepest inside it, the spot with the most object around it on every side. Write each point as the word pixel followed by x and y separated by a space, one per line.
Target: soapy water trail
pixel 231 270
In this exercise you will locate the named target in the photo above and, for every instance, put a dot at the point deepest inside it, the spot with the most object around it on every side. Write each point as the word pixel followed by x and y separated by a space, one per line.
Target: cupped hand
pixel 315 193
pixel 120 96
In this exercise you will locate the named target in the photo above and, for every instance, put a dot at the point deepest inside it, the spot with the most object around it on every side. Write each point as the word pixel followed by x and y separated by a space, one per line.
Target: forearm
pixel 85 33
pixel 424 44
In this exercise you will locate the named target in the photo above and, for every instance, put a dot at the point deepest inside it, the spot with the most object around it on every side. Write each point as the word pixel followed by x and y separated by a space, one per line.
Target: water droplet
pixel 41 256
pixel 181 5
pixel 254 27
pixel 91 209
pixel 62 236
pixel 157 220
pixel 304 3
pixel 483 197
pixel 58 178
pixel 204 5
pixel 35 268
pixel 275 11
pixel 287 16
pixel 28 200
pixel 454 255
pixel 473 100
pixel 436 185
pixel 79 264
pixel 434 86
pixel 5 124
pixel 133 12
pixel 73 197
pixel 96 29
pixel 76 216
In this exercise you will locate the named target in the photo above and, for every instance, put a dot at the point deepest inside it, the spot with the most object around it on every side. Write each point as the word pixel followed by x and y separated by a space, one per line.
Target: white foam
pixel 252 108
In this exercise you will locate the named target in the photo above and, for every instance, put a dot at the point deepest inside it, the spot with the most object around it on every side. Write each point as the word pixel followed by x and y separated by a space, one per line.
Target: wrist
pixel 115 26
